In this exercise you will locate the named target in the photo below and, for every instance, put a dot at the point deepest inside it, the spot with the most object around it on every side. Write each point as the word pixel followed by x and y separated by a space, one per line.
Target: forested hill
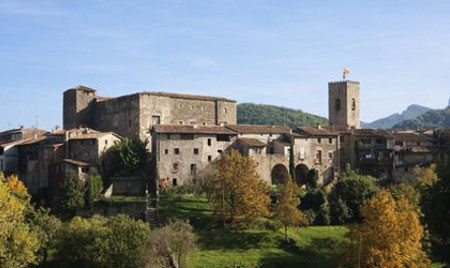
pixel 411 112
pixel 263 114
pixel 432 119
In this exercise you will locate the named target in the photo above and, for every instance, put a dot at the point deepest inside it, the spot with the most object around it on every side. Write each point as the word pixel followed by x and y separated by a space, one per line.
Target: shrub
pixel 131 154
pixel 72 195
pixel 94 184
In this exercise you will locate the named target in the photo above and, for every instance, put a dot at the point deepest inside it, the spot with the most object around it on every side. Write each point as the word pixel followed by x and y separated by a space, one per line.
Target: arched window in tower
pixel 337 104
pixel 353 104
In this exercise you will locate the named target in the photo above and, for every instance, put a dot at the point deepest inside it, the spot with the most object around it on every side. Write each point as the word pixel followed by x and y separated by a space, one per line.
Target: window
pixel 85 170
pixel 196 151
pixel 258 150
pixel 193 169
pixel 337 104
pixel 224 110
pixel 174 182
pixel 166 151
pixel 319 157
pixel 209 142
pixel 175 166
pixel 302 153
pixel 209 158
pixel 168 136
pixel 106 142
pixel 176 151
pixel 180 122
pixel 330 140
pixel 319 140
pixel 342 138
pixel 353 104
pixel 330 155
pixel 222 137
pixel 186 136
pixel 156 120
pixel 219 151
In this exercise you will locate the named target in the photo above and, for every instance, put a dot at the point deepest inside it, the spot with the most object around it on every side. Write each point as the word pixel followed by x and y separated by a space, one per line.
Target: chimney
pixel 195 126
pixel 319 127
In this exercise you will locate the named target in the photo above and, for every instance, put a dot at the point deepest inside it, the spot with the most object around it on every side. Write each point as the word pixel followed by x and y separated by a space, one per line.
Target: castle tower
pixel 343 105
pixel 76 107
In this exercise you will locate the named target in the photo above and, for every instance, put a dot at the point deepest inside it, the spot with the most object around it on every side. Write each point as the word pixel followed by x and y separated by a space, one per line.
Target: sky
pixel 281 52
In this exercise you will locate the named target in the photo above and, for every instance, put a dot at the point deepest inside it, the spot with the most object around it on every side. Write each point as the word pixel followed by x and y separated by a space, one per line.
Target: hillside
pixel 263 114
pixel 432 119
pixel 410 113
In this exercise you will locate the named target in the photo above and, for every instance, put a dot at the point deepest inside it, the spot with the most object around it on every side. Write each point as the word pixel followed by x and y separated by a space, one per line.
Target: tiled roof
pixel 258 129
pixel 191 129
pixel 372 133
pixel 32 141
pixel 92 136
pixel 186 96
pixel 252 142
pixel 410 136
pixel 315 131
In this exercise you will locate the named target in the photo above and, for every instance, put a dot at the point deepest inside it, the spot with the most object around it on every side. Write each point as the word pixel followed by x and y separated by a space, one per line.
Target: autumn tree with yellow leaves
pixel 18 241
pixel 286 210
pixel 237 193
pixel 390 236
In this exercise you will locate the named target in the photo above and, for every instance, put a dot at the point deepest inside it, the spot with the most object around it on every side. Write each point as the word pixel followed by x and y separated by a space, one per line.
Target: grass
pixel 315 246
pixel 113 199
pixel 310 247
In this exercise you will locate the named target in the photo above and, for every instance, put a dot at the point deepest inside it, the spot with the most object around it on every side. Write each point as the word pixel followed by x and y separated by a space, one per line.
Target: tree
pixel 311 178
pixel 286 210
pixel 390 235
pixel 100 242
pixel 18 241
pixel 237 193
pixel 94 185
pixel 436 207
pixel 315 204
pixel 348 195
pixel 169 245
pixel 72 194
pixel 292 159
pixel 131 154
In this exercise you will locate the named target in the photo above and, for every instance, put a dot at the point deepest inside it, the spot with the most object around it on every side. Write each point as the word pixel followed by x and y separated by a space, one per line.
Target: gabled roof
pixel 191 129
pixel 250 142
pixel 411 136
pixel 258 129
pixel 93 136
pixel 312 131
pixel 372 133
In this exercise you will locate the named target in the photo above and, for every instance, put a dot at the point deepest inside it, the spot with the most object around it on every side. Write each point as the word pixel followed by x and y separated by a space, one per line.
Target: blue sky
pixel 276 52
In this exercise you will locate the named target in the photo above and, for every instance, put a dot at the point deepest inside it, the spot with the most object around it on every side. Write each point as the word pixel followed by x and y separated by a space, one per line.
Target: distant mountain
pixel 410 113
pixel 433 119
pixel 263 114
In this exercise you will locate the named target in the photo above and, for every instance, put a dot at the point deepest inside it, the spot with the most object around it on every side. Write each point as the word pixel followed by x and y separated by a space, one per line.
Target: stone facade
pixel 344 105
pixel 135 115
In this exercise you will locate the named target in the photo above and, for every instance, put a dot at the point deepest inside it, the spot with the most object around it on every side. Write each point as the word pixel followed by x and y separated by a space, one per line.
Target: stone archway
pixel 279 174
pixel 301 173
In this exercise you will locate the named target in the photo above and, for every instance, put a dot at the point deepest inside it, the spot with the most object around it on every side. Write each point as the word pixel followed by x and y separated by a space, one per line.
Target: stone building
pixel 344 105
pixel 134 115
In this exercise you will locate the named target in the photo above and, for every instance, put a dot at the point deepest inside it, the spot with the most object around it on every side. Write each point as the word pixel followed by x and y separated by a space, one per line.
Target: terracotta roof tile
pixel 191 129
pixel 316 131
pixel 252 142
pixel 258 129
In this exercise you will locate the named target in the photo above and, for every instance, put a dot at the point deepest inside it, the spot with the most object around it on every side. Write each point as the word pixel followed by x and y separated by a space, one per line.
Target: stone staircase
pixel 151 213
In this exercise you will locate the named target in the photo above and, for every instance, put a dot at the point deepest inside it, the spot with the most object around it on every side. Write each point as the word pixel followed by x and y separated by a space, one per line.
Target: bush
pixel 72 195
pixel 131 154
pixel 94 184
pixel 315 205
pixel 348 195
pixel 100 242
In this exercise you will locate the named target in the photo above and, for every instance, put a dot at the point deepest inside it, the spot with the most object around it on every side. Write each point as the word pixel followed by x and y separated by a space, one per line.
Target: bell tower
pixel 343 105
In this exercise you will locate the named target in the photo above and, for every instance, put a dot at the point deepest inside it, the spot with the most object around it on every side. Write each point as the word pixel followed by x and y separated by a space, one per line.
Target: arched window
pixel 337 104
pixel 353 104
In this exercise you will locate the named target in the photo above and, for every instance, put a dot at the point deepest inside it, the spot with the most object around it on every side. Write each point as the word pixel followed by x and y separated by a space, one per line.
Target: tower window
pixel 195 150
pixel 353 104
pixel 337 104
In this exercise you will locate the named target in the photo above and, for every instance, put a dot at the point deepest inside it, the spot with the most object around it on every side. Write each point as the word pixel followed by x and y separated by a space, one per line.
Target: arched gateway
pixel 279 173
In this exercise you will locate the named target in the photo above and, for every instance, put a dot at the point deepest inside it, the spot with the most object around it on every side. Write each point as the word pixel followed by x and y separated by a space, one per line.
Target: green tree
pixel 286 210
pixel 292 159
pixel 436 207
pixel 315 205
pixel 72 195
pixel 18 240
pixel 348 195
pixel 100 242
pixel 131 154
pixel 169 245
pixel 389 236
pixel 94 184
pixel 237 193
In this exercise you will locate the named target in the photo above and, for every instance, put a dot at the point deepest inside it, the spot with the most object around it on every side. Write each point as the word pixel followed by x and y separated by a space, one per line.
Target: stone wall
pixel 346 114
pixel 128 185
